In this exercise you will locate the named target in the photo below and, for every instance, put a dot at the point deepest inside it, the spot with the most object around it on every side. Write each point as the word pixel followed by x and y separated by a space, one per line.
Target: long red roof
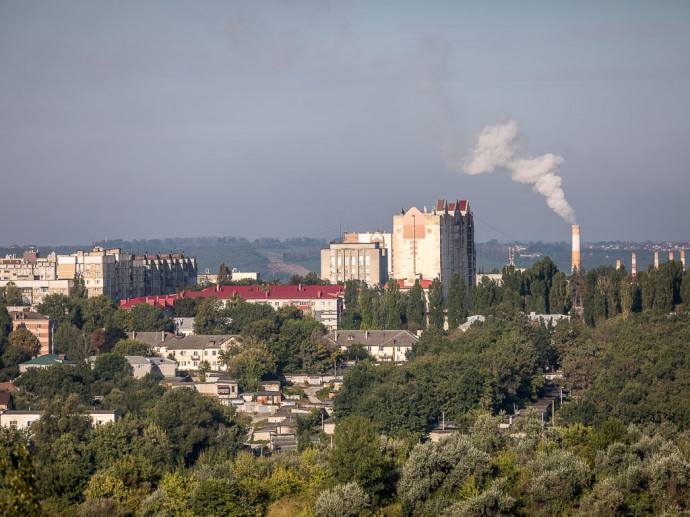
pixel 248 292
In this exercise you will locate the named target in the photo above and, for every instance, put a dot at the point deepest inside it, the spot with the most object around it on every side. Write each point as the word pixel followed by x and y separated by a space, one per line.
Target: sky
pixel 291 118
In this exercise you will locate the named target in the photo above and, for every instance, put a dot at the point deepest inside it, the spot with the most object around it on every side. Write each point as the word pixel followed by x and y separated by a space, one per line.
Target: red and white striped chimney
pixel 576 263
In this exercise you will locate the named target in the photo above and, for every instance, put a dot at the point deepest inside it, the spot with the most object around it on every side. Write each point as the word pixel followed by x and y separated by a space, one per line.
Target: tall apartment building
pixel 355 261
pixel 106 272
pixel 435 243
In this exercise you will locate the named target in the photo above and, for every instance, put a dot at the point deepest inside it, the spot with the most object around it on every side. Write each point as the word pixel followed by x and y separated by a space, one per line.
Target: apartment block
pixel 367 262
pixel 106 272
pixel 436 243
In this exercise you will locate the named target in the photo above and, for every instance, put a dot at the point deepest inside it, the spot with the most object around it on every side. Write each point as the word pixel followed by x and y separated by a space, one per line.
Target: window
pixel 196 363
pixel 13 424
pixel 213 352
pixel 181 352
pixel 205 352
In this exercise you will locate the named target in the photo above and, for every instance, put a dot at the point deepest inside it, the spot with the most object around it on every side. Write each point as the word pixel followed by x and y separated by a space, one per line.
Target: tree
pixel 24 339
pixel 111 366
pixel 415 307
pixel 393 307
pixel 132 347
pixel 98 313
pixel 357 455
pixel 344 500
pixel 192 422
pixel 249 363
pixel 224 275
pixel 61 308
pixel 78 290
pixel 147 318
pixel 185 307
pixel 11 295
pixel 457 301
pixel 436 309
pixel 211 317
pixel 18 491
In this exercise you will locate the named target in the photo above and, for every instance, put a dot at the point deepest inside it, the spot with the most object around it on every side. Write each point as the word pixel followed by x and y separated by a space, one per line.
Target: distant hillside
pixel 279 259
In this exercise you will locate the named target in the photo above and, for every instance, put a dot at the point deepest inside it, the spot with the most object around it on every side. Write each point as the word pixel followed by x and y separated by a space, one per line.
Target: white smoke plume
pixel 497 146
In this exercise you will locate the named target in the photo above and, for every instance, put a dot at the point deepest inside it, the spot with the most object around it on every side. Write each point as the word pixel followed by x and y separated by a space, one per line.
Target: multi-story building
pixel 435 244
pixel 355 261
pixel 40 326
pixel 106 272
pixel 385 240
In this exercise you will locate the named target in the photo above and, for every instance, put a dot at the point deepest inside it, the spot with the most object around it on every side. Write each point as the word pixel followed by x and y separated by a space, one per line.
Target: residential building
pixel 106 272
pixel 382 345
pixel 367 262
pixel 222 387
pixel 23 420
pixel 43 327
pixel 190 351
pixel 385 240
pixel 44 361
pixel 435 244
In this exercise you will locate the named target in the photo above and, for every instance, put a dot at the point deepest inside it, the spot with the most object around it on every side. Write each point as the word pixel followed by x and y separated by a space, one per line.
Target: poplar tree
pixel 456 303
pixel 435 310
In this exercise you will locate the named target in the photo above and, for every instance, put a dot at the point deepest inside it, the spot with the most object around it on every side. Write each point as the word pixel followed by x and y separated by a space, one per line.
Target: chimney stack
pixel 618 263
pixel 682 258
pixel 634 265
pixel 656 260
pixel 576 247
pixel 670 255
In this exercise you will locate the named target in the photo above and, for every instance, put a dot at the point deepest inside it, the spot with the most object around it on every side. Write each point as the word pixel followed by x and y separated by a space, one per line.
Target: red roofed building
pixel 435 243
pixel 321 302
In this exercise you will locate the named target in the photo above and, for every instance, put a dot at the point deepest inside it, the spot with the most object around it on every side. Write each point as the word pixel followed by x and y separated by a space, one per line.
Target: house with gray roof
pixel 382 345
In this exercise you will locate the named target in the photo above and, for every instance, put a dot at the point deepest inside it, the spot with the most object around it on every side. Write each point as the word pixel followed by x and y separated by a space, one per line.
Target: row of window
pixel 351 261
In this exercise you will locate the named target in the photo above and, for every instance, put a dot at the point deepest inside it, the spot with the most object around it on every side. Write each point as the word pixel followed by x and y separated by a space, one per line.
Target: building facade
pixel 367 262
pixel 40 326
pixel 435 244
pixel 106 272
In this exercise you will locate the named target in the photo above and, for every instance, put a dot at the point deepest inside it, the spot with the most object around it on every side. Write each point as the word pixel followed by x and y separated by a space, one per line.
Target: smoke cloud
pixel 497 146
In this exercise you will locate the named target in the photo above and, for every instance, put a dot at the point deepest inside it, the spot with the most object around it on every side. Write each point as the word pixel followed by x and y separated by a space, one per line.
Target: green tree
pixel 211 317
pixel 224 275
pixel 147 318
pixel 343 500
pixel 192 422
pixel 436 306
pixel 111 366
pixel 132 347
pixel 393 306
pixel 457 301
pixel 357 455
pixel 185 307
pixel 414 311
pixel 24 339
pixel 11 295
pixel 78 290
pixel 61 308
pixel 18 490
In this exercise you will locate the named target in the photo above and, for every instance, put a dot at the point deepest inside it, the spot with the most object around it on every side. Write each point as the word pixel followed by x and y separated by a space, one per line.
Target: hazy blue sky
pixel 143 119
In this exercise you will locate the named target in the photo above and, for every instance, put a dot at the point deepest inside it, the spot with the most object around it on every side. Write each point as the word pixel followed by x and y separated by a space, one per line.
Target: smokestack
pixel 670 255
pixel 656 260
pixel 576 247
pixel 634 265
pixel 682 258
pixel 618 263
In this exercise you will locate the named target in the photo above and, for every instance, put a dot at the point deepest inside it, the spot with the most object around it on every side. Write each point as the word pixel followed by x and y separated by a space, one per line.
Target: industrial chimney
pixel 633 269
pixel 618 263
pixel 656 260
pixel 682 258
pixel 576 247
